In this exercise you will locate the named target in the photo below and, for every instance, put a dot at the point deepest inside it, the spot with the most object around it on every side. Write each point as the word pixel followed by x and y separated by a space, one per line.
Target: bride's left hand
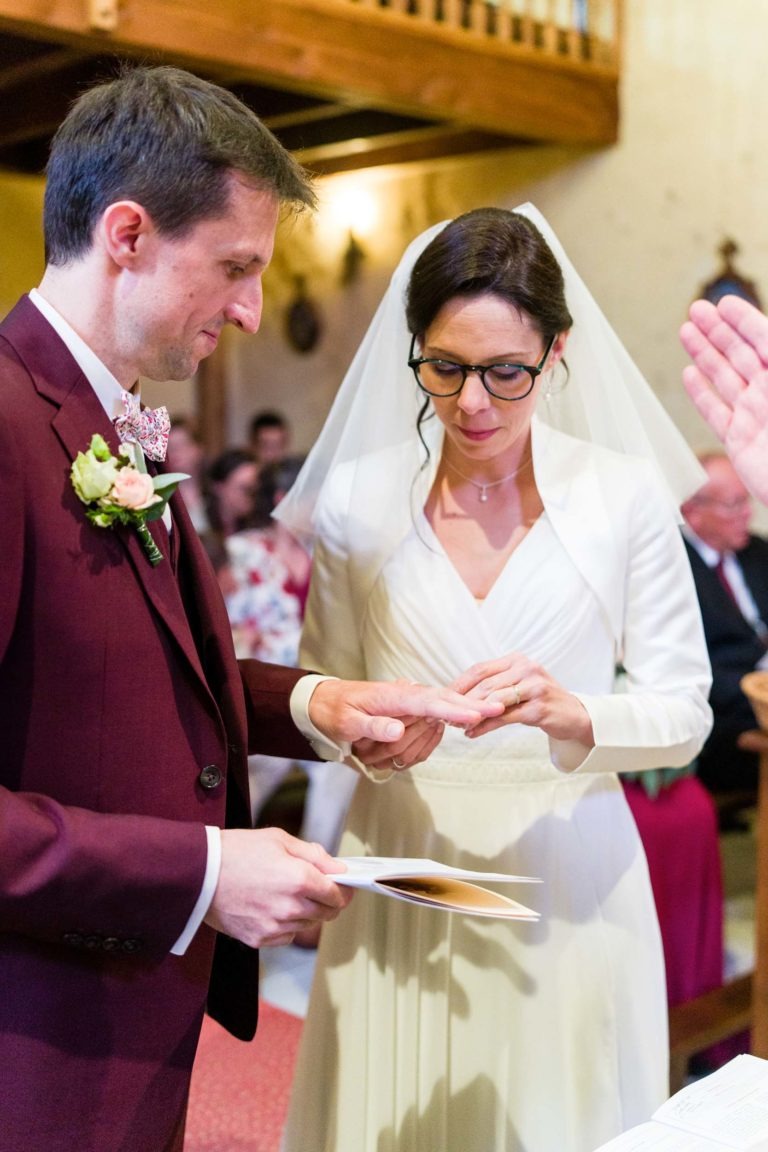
pixel 530 696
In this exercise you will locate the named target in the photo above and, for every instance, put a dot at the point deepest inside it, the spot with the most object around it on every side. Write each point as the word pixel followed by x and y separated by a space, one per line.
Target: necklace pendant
pixel 483 494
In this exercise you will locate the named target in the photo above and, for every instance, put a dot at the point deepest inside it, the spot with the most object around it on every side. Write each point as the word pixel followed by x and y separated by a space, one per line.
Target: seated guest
pixel 269 437
pixel 676 819
pixel 271 573
pixel 230 491
pixel 185 453
pixel 730 570
pixel 677 822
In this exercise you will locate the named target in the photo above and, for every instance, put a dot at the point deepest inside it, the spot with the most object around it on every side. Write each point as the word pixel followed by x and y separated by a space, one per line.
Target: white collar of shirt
pixel 709 555
pixel 104 384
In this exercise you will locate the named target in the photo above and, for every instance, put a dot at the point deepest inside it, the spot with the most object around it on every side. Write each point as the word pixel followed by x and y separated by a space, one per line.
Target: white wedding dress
pixel 438 1032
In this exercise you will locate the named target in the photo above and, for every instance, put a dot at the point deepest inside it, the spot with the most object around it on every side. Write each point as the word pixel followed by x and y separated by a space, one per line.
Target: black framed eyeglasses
pixel 504 381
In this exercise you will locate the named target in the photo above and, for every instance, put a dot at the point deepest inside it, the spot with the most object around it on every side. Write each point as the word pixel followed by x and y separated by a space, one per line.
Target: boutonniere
pixel 119 490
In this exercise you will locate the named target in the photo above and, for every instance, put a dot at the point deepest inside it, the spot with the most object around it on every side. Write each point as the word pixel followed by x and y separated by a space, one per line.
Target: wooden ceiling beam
pixel 45 64
pixel 345 53
pixel 399 148
pixel 301 116
pixel 32 107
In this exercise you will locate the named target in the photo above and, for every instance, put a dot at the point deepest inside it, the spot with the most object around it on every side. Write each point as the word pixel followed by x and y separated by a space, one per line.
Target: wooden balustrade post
pixel 211 395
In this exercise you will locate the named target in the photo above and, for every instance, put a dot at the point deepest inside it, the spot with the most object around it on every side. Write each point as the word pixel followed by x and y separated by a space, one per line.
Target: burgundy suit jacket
pixel 118 686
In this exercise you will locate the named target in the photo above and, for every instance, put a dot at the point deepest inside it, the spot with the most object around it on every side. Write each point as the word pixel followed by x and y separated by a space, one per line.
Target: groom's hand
pixel 272 885
pixel 347 711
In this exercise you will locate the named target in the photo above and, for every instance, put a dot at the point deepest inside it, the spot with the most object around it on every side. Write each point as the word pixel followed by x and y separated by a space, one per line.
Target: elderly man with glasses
pixel 730 569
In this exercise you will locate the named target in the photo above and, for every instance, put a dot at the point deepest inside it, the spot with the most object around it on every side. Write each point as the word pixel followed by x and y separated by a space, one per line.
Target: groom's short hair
pixel 166 139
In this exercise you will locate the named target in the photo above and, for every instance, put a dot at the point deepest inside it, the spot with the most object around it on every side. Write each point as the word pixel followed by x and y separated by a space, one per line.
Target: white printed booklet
pixel 435 885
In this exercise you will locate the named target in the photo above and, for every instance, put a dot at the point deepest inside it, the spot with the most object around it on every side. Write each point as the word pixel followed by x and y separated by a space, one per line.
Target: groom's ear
pixel 123 230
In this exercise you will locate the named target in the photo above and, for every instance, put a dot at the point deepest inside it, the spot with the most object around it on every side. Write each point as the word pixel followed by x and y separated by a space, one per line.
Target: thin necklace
pixel 483 488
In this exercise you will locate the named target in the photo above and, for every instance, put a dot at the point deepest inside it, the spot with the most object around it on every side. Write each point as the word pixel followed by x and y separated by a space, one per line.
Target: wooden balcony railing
pixel 344 83
pixel 584 32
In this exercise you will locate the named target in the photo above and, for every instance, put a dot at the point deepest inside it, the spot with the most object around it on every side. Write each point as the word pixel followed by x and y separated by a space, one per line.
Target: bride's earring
pixel 554 381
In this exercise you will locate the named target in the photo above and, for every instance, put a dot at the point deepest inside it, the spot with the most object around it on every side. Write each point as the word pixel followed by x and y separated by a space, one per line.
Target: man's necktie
pixel 148 427
pixel 719 571
pixel 756 624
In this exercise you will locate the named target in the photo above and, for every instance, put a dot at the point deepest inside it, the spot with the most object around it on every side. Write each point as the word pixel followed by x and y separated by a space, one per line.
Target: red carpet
pixel 239 1094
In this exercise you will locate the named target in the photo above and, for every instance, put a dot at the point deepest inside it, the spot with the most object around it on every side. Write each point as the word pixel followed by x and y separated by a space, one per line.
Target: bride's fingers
pixel 501 686
pixel 478 674
pixel 511 695
pixel 420 739
pixel 490 725
pixel 419 748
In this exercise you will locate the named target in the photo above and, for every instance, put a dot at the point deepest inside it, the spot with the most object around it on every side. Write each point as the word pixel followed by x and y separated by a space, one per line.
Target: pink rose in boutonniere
pixel 119 490
pixel 133 489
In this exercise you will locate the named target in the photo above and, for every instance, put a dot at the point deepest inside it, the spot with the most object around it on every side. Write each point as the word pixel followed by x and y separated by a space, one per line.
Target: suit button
pixel 131 944
pixel 73 939
pixel 210 777
pixel 110 943
pixel 92 942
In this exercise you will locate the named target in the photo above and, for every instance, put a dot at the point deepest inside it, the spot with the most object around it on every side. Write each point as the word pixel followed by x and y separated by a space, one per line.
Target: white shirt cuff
pixel 210 880
pixel 325 748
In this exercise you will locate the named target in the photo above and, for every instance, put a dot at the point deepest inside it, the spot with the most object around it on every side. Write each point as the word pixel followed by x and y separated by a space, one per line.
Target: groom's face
pixel 176 302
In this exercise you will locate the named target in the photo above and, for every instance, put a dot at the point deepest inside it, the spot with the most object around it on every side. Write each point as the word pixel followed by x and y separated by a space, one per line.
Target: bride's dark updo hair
pixel 489 250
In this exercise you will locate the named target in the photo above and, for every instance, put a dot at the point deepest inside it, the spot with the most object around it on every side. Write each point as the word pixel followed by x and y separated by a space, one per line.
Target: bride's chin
pixel 500 443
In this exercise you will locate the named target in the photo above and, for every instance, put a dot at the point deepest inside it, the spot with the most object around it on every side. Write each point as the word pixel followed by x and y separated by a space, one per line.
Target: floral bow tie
pixel 148 427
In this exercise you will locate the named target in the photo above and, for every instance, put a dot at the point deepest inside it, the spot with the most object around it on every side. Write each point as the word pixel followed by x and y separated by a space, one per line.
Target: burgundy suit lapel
pixel 77 415
pixel 158 583
pixel 199 585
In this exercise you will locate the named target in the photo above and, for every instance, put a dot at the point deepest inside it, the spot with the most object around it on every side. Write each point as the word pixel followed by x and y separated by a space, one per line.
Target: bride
pixel 457 527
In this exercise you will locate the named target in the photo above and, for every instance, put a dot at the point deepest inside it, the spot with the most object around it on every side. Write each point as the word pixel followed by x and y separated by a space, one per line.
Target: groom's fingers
pixel 355 710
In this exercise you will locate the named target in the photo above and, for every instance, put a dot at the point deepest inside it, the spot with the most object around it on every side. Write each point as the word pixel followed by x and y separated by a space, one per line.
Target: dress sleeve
pixel 662 717
pixel 331 638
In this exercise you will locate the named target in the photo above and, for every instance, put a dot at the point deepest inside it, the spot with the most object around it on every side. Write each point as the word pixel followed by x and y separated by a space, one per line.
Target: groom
pixel 125 721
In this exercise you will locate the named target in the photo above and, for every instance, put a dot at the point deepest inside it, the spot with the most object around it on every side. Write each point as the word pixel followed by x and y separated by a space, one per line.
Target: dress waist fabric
pixel 496 769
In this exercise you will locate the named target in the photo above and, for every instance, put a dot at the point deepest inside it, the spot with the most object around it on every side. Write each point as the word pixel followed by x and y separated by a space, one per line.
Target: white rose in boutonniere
pixel 91 476
pixel 119 490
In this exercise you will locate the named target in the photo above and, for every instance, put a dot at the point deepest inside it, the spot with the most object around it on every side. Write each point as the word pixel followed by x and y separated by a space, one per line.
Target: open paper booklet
pixel 435 885
pixel 726 1111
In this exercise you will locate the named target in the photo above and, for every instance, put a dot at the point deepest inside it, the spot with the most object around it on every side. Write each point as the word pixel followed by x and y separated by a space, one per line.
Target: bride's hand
pixel 419 741
pixel 530 696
